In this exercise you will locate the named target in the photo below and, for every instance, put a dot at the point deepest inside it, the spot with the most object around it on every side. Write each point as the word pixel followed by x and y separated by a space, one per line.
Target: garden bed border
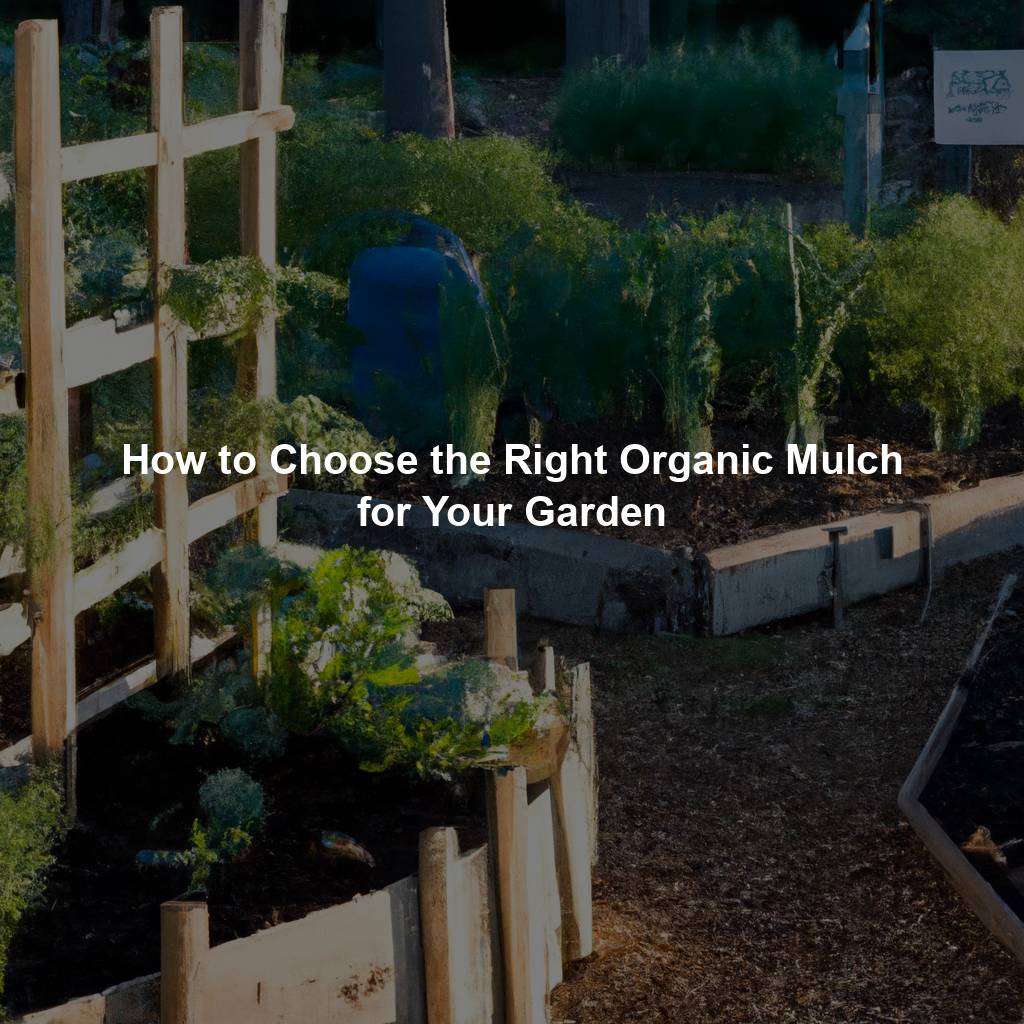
pixel 986 904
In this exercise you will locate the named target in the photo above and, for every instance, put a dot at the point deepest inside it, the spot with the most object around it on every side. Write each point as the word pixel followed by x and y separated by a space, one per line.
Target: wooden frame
pixel 59 358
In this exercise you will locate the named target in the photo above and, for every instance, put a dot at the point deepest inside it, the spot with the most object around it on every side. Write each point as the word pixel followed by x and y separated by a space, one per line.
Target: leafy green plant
pixel 756 105
pixel 688 269
pixel 828 267
pixel 31 823
pixel 946 316
pixel 345 631
pixel 231 815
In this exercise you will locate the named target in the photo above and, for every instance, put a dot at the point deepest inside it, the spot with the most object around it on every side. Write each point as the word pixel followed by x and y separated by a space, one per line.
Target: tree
pixel 606 28
pixel 417 68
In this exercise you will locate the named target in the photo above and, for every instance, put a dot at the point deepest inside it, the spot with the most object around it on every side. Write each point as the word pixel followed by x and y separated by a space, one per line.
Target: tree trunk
pixel 606 28
pixel 417 68
pixel 77 20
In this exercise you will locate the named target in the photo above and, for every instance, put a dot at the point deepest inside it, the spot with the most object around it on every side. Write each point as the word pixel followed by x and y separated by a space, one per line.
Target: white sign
pixel 979 97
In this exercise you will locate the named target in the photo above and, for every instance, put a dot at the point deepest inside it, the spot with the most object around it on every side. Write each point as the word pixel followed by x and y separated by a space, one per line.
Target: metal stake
pixel 835 534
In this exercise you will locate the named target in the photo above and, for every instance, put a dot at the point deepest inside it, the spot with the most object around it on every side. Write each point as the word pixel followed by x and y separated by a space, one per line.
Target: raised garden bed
pixel 964 795
pixel 709 512
pixel 107 909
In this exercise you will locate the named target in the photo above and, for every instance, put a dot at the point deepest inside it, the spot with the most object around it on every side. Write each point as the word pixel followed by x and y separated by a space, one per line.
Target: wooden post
pixel 184 944
pixel 170 406
pixel 500 631
pixel 573 792
pixel 542 671
pixel 261 50
pixel 509 824
pixel 855 106
pixel 439 849
pixel 40 248
pixel 606 28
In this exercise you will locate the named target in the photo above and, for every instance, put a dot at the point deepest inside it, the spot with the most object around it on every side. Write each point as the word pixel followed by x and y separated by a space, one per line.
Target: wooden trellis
pixel 59 358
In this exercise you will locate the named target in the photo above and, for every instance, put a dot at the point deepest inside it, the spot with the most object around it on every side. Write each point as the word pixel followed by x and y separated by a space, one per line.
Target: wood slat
pixel 14 630
pixel 12 561
pixel 115 692
pixel 40 262
pixel 110 156
pixel 217 510
pixel 235 129
pixel 261 76
pixel 170 378
pixel 113 571
pixel 95 348
pixel 9 394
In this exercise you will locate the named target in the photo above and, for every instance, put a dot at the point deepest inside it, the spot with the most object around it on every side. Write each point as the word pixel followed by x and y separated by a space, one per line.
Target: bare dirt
pixel 754 866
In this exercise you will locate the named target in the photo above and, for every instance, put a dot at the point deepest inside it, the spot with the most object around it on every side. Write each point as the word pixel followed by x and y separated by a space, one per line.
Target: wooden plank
pixel 110 156
pixel 217 510
pixel 545 918
pixel 113 571
pixel 40 248
pixel 501 636
pixel 236 129
pixel 542 669
pixel 510 845
pixel 94 348
pixel 184 948
pixel 12 561
pixel 261 56
pixel 14 630
pixel 9 394
pixel 167 245
pixel 108 696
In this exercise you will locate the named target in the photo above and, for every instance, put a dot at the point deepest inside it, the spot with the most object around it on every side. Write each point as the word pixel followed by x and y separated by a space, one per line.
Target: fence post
pixel 184 944
pixel 500 631
pixel 439 849
pixel 261 58
pixel 574 800
pixel 40 267
pixel 170 406
pixel 542 670
pixel 509 826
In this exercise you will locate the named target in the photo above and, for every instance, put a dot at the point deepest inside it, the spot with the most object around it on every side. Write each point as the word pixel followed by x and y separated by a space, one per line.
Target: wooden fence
pixel 476 937
pixel 59 358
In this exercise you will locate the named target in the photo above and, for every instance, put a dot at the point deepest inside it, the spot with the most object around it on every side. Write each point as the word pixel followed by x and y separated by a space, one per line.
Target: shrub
pixel 947 316
pixel 755 105
pixel 31 822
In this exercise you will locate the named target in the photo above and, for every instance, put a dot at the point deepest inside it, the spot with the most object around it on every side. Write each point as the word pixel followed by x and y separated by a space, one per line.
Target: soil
pixel 754 866
pixel 978 782
pixel 137 792
pixel 105 648
pixel 712 511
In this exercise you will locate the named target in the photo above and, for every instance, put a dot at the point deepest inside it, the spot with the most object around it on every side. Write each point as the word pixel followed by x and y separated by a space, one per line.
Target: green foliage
pixel 483 189
pixel 224 699
pixel 343 632
pixel 755 105
pixel 224 297
pixel 231 808
pixel 31 823
pixel 13 481
pixel 687 270
pixel 947 316
pixel 437 727
pixel 831 264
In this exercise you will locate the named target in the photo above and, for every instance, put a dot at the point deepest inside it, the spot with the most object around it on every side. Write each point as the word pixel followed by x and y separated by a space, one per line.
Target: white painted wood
pixel 219 509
